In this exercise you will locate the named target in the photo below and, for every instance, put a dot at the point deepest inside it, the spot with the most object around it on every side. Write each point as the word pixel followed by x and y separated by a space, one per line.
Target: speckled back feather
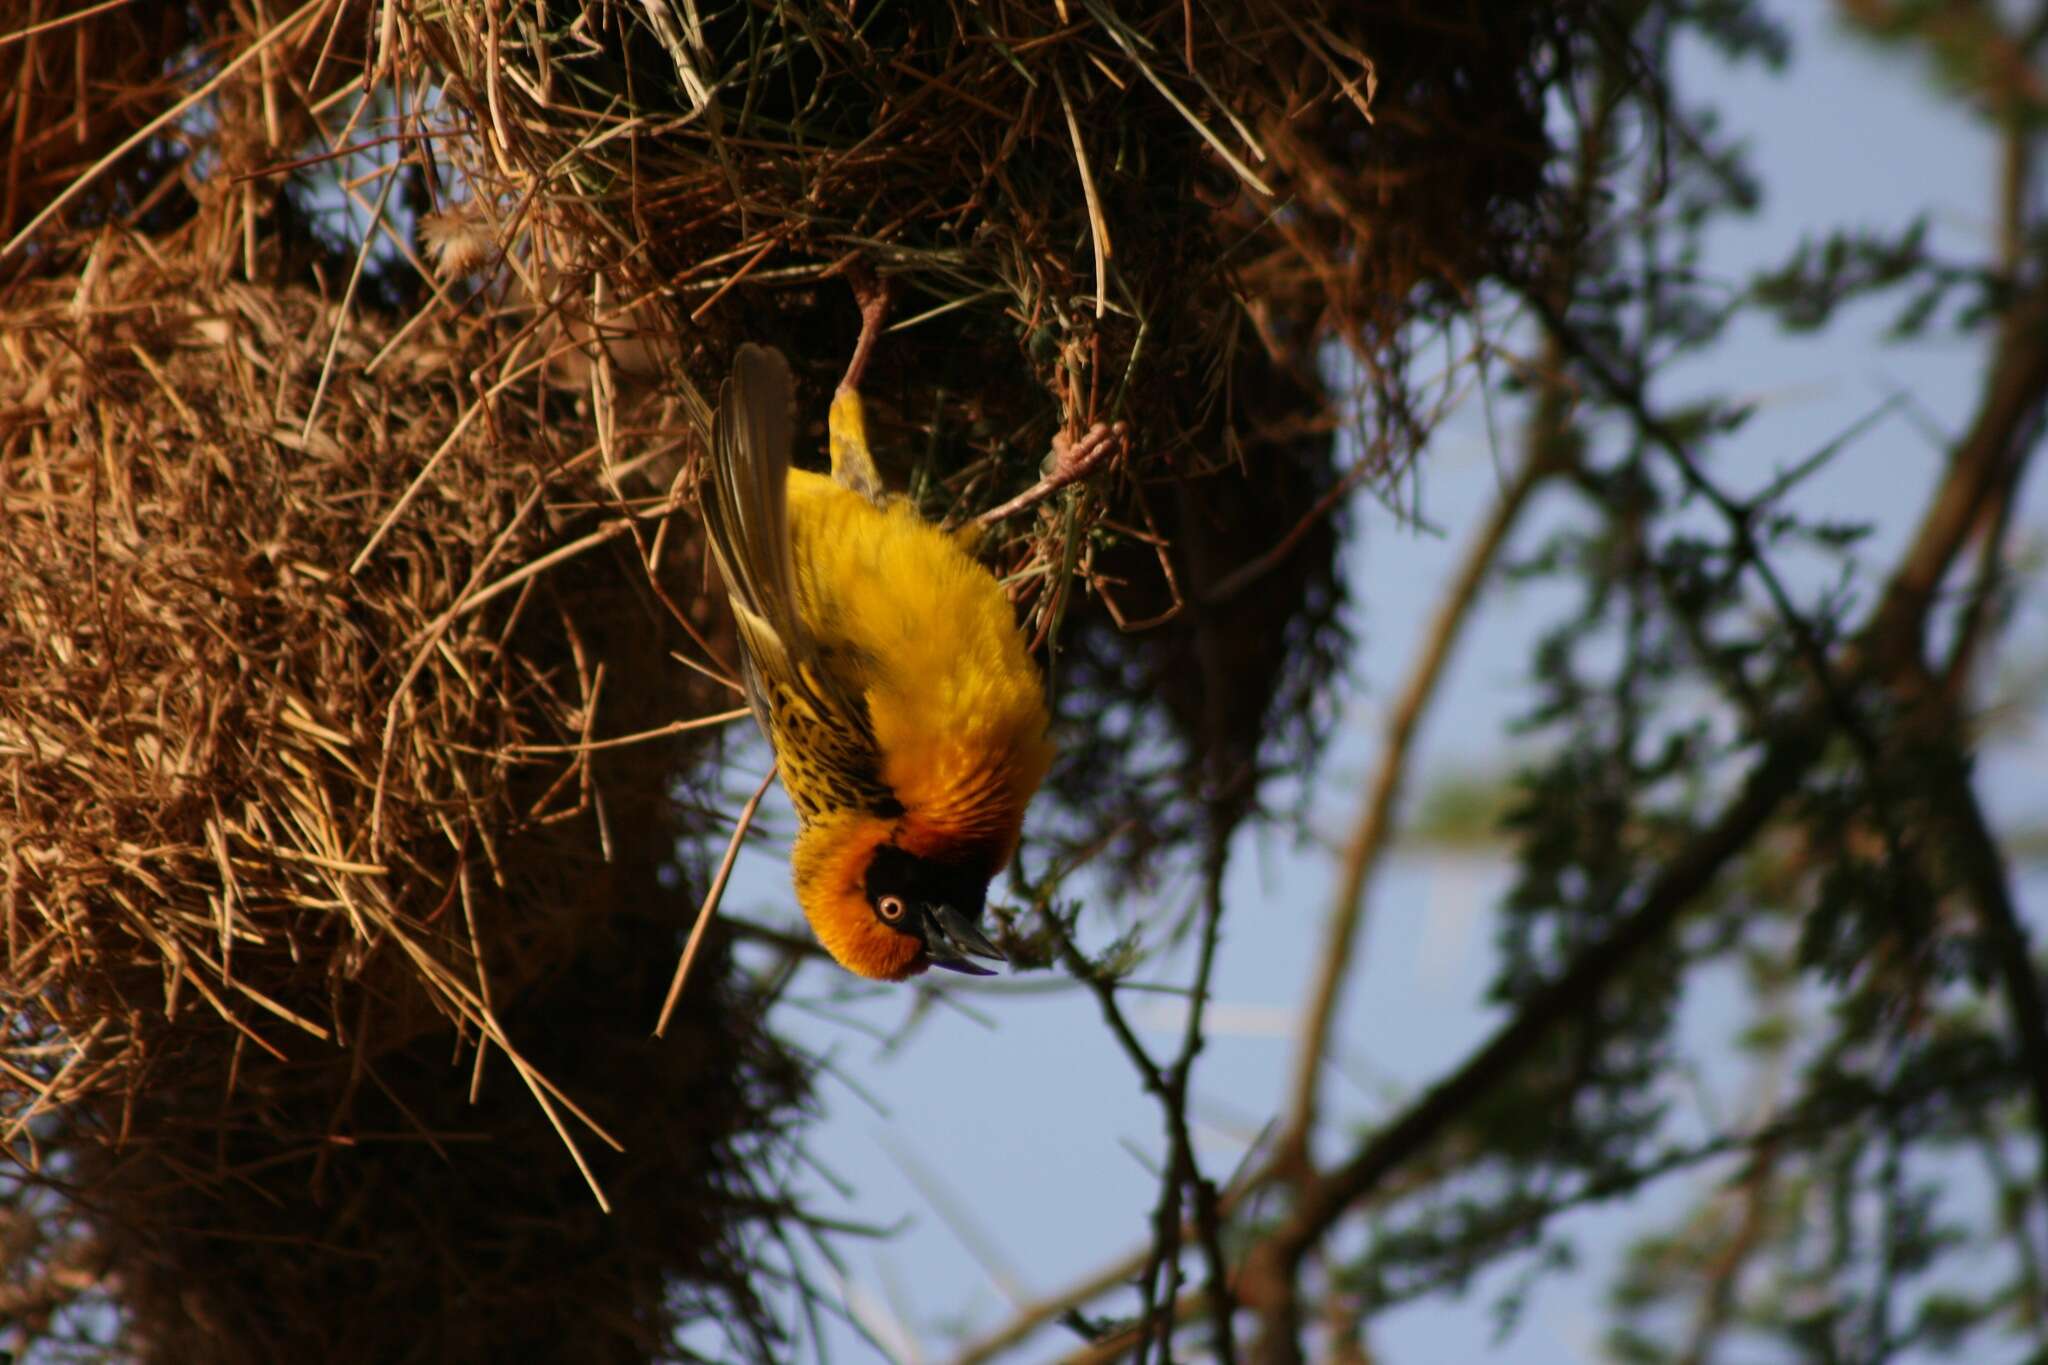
pixel 808 704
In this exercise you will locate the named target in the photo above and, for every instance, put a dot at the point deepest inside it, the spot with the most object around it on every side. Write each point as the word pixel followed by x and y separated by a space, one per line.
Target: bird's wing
pixel 747 512
pixel 801 692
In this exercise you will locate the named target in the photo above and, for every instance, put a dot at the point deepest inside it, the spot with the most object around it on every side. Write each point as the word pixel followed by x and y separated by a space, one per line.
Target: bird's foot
pixel 1077 459
pixel 1071 460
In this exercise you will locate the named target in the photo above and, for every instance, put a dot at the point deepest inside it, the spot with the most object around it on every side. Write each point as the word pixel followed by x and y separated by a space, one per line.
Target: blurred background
pixel 1006 1146
pixel 1551 828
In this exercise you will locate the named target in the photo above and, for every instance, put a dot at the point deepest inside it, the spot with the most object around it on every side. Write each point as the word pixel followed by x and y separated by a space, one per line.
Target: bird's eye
pixel 891 908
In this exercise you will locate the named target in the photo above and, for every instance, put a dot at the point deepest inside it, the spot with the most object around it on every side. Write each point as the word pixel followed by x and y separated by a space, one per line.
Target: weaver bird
pixel 887 670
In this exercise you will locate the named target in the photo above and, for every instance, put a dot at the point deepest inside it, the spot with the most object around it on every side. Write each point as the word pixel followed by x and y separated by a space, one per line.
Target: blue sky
pixel 1029 1119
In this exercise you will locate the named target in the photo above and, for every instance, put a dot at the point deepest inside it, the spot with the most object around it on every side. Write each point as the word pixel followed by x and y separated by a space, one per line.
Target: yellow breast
pixel 958 712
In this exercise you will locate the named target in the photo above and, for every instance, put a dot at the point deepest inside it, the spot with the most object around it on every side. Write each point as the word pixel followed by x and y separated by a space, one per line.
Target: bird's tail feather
pixel 746 514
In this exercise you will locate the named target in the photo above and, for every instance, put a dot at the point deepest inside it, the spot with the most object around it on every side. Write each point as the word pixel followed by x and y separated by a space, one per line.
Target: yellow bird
pixel 885 666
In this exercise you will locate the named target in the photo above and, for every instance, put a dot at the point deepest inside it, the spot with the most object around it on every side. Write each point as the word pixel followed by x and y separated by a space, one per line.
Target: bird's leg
pixel 871 293
pixel 853 465
pixel 1071 460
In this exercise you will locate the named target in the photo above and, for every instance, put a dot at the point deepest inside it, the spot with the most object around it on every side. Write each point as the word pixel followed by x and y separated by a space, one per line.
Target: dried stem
pixel 1183 1178
pixel 710 906
pixel 1369 837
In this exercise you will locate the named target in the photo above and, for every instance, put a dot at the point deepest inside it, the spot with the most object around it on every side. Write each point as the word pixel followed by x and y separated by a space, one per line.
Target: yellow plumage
pixel 885 665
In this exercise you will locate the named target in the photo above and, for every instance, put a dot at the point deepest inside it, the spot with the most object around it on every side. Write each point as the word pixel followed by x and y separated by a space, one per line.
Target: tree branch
pixel 1375 825
pixel 1029 1318
pixel 1717 1302
pixel 2009 411
pixel 1269 1273
pixel 1183 1174
pixel 1186 1171
pixel 1998 916
pixel 2009 408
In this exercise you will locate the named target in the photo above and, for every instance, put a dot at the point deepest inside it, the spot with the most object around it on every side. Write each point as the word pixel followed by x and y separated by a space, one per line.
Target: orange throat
pixel 830 862
pixel 963 782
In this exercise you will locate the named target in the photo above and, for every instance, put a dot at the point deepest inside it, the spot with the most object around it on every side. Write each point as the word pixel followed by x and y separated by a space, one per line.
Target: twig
pixel 348 300
pixel 711 899
pixel 1169 1086
pixel 1990 892
pixel 1098 226
pixel 1242 577
pixel 1032 1316
pixel 1717 1304
pixel 1208 1226
pixel 1156 1084
pixel 156 125
pixel 675 727
pixel 1376 820
pixel 1270 1270
pixel 1112 1348
pixel 47 25
pixel 2009 407
pixel 1628 394
pixel 1974 627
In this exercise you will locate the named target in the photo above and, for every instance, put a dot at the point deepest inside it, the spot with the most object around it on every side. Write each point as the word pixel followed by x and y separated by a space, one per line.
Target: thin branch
pixel 1182 1174
pixel 1628 394
pixel 49 25
pixel 1375 825
pixel 2009 408
pixel 1116 1274
pixel 1270 1270
pixel 1186 1171
pixel 1242 577
pixel 710 906
pixel 1717 1304
pixel 674 727
pixel 1104 988
pixel 1113 1347
pixel 1974 628
pixel 1039 1313
pixel 1990 891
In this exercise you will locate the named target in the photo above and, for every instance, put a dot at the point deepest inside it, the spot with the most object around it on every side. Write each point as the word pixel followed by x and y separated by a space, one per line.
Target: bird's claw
pixel 1077 459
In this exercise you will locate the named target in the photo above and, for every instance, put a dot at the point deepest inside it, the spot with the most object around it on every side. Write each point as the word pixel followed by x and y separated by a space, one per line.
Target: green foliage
pixel 1845 1216
pixel 1461 811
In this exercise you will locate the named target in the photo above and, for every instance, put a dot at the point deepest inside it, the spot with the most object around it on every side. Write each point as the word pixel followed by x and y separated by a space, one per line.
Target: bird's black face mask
pixel 937 903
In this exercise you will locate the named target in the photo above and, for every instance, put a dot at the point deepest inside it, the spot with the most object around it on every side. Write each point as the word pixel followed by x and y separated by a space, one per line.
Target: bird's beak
pixel 950 938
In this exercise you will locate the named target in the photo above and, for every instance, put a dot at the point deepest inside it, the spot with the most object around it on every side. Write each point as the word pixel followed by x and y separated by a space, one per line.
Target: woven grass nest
pixel 349 832
pixel 297 812
pixel 1160 214
pixel 1087 210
